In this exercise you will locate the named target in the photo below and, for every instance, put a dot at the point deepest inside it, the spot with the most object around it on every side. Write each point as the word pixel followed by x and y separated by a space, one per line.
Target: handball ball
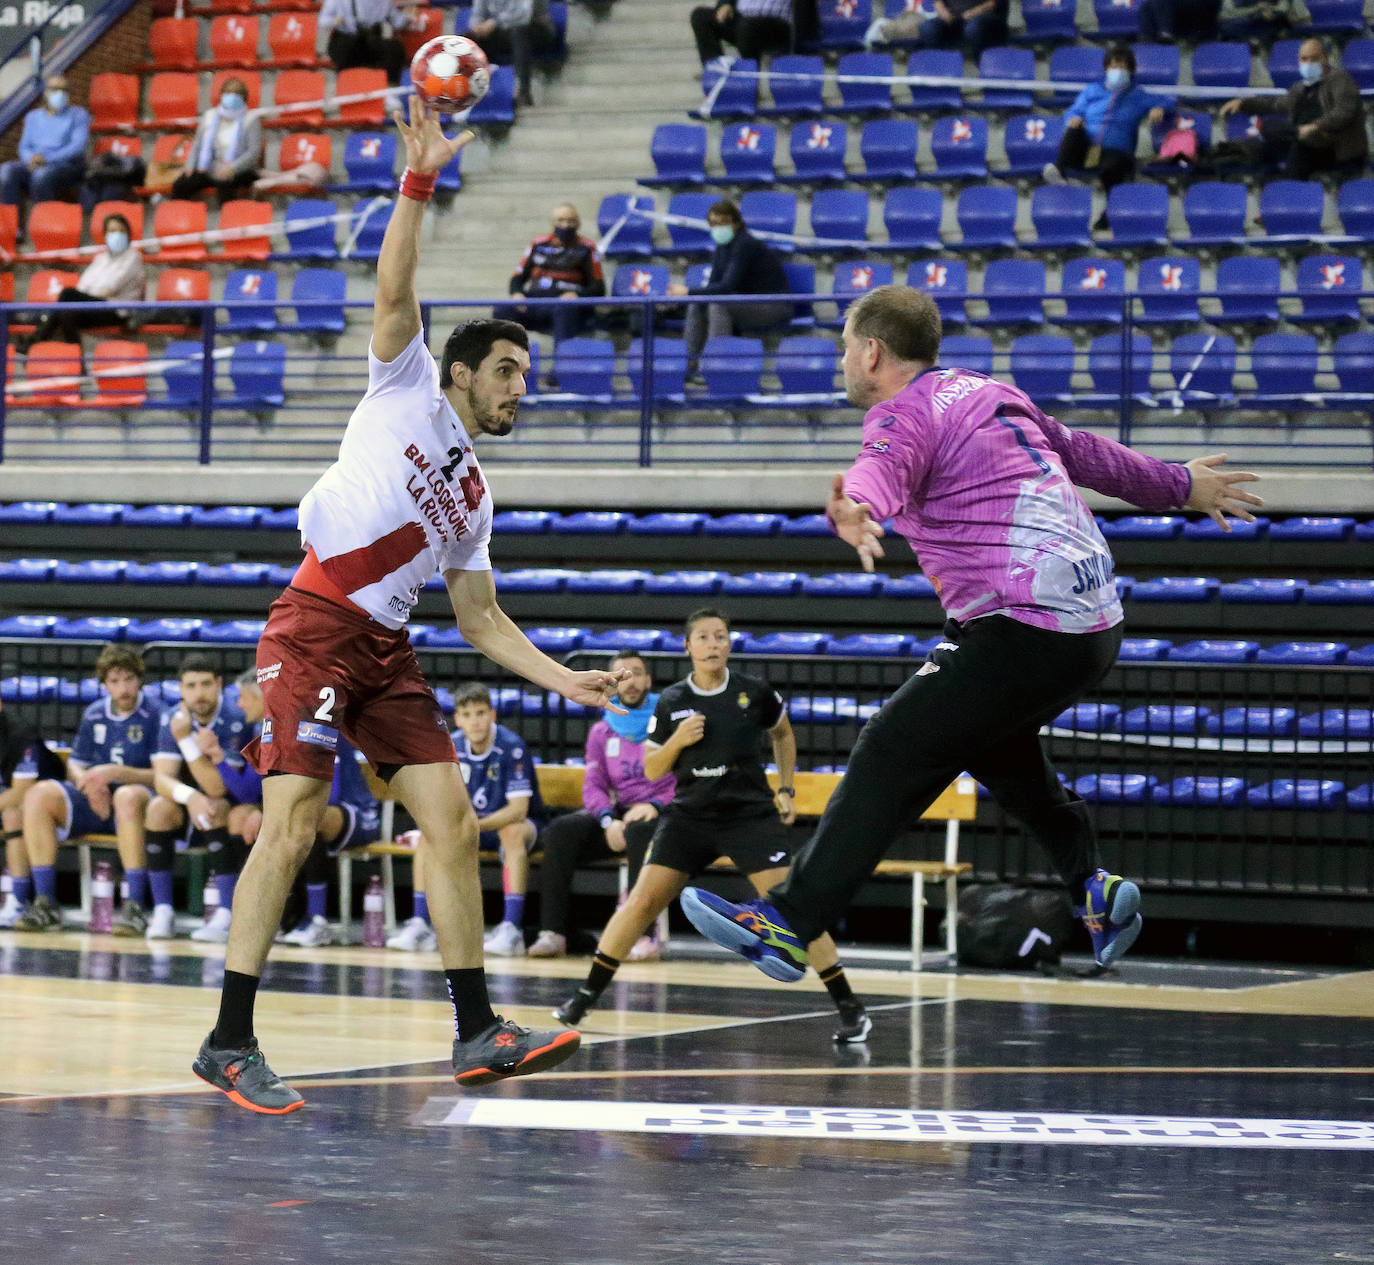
pixel 450 72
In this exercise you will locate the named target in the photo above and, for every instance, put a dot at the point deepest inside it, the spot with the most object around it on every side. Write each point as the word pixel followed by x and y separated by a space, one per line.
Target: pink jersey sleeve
pixel 892 464
pixel 1103 465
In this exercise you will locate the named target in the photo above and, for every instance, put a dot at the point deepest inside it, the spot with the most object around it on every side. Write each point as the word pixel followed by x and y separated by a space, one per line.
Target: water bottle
pixel 374 914
pixel 210 899
pixel 102 898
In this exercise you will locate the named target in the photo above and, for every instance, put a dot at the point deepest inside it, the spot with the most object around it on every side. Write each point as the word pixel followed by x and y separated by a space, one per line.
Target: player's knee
pixel 45 802
pixel 129 803
pixel 162 814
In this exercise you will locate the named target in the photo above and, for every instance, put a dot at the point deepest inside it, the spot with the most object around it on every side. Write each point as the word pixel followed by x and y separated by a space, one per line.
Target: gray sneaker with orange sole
pixel 506 1049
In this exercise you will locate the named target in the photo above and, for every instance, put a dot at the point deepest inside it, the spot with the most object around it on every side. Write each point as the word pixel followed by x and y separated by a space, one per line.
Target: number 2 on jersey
pixel 325 711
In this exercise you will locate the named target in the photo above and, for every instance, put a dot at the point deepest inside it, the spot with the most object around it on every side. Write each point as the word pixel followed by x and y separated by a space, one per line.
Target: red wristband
pixel 418 186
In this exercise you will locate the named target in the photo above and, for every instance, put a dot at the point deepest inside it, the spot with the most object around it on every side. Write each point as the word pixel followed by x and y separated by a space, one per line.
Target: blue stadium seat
pixel 227 516
pixel 1092 718
pixel 1249 289
pixel 1361 658
pixel 615 581
pixel 1355 205
pixel 1307 794
pixel 1142 527
pixel 450 178
pixel 1006 63
pixel 847 584
pixel 584 368
pixel 366 228
pixel 870 645
pixel 1330 286
pixel 854 279
pixel 27 570
pixel 1115 788
pixel 91 628
pixel 679 154
pixel 801 279
pixel 670 368
pixel 687 583
pixel 535 580
pixel 748 151
pixel 28 512
pixel 498 106
pixel 1283 63
pixel 1340 593
pixel 1200 792
pixel 241 632
pixel 1357 60
pixel 1159 718
pixel 1167 289
pixel 843 22
pixel 1143 649
pixel 1074 64
pixel 748 525
pixel 1337 722
pixel 1214 650
pixel 589 523
pixel 1285 368
pixel 946 281
pixel 967 351
pixel 818 153
pixel 1206 529
pixel 1014 290
pixel 1365 530
pixel 634 236
pixel 251 294
pixel 145 630
pixel 739 95
pixel 1360 798
pixel 795 96
pixel 959 147
pixel 1319 653
pixel 1157 65
pixel 1139 214
pixel 1048 22
pixel 1254 722
pixel 640 279
pixel 1107 364
pixel 1221 65
pixel 1176 588
pixel 1092 291
pixel 310 230
pixel 912 218
pixel 1203 367
pixel 672 523
pixel 556 641
pixel 1263 591
pixel 805 365
pixel 1352 359
pixel 522 522
pixel 785 643
pixel 89 514
pixel 369 160
pixel 888 149
pixel 257 371
pixel 937 63
pixel 439 638
pixel 92 571
pixel 1117 19
pixel 161 572
pixel 913 586
pixel 805 525
pixel 318 294
pixel 181 376
pixel 1031 141
pixel 987 217
pixel 231 574
pixel 1042 365
pixel 838 215
pixel 762 584
pixel 1061 215
pixel 823 711
pixel 642 639
pixel 1292 208
pixel 858 96
pixel 1215 212
pixel 732 367
pixel 280 575
pixel 771 211
pixel 1312 528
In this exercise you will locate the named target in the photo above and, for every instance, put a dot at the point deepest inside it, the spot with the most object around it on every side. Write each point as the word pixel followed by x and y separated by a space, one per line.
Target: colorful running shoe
pixel 506 1049
pixel 754 930
pixel 1111 913
pixel 242 1073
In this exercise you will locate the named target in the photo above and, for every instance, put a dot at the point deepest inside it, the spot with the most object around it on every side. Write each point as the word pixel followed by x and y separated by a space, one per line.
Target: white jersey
pixel 406 497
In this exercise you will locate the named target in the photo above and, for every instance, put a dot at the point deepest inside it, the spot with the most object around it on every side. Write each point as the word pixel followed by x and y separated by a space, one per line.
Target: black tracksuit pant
pixel 569 841
pixel 976 707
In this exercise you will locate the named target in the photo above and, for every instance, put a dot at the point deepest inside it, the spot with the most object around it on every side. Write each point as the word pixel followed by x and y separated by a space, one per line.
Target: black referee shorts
pixel 690 844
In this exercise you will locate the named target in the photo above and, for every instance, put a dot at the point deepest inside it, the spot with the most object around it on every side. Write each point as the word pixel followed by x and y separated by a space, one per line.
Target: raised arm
pixel 396 310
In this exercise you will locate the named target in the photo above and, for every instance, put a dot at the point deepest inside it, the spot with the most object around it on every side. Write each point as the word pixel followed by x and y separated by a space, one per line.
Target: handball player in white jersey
pixel 405 499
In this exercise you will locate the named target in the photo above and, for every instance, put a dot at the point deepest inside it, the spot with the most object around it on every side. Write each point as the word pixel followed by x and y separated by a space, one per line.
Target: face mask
pixel 565 234
pixel 116 241
pixel 1310 71
pixel 231 103
pixel 57 99
pixel 722 234
pixel 1116 78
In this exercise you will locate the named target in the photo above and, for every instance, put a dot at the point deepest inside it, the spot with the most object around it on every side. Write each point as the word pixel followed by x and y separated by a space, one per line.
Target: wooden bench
pixel 561 787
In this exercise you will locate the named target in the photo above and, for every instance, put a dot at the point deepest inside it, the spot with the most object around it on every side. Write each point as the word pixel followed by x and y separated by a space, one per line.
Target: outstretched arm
pixel 396 310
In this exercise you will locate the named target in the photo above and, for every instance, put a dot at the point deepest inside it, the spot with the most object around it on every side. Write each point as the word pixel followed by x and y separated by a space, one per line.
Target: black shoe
pixel 41 915
pixel 855 1025
pixel 242 1073
pixel 506 1049
pixel 132 920
pixel 574 1010
pixel 1102 224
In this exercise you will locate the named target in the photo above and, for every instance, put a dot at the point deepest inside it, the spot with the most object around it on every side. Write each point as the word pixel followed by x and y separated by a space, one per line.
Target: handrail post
pixel 646 378
pixel 4 342
pixel 207 380
pixel 1127 365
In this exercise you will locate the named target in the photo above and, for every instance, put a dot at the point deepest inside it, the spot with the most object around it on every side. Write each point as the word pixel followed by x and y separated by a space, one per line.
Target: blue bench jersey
pixel 505 771
pixel 104 738
pixel 228 723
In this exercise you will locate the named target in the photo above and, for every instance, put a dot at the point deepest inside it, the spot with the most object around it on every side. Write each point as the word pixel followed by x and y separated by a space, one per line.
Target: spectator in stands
pixel 740 264
pixel 560 265
pixel 1318 126
pixel 52 150
pixel 19 769
pixel 1267 20
pixel 1165 21
pixel 971 24
pixel 515 31
pixel 620 808
pixel 226 149
pixel 358 35
pixel 754 27
pixel 115 273
pixel 1102 124
pixel 107 787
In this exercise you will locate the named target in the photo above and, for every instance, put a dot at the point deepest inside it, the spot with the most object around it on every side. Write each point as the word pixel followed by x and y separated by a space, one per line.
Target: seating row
pixel 1307 794
pixel 1231 722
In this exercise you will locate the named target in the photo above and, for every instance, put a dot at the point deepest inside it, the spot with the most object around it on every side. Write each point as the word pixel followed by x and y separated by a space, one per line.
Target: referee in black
pixel 708 730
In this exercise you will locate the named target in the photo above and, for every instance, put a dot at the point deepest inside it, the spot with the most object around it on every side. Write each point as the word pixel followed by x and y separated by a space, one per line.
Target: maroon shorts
pixel 325 671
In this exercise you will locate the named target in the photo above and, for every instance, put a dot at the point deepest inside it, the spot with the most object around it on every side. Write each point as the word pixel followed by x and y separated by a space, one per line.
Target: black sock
pixel 602 973
pixel 234 1027
pixel 837 985
pixel 472 1012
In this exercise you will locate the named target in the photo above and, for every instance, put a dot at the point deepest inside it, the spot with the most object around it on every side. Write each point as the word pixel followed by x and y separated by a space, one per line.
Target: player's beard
pixel 488 420
pixel 860 394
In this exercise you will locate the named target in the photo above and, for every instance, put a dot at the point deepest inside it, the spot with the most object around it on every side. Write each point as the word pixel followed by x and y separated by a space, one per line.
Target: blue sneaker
pixel 1112 916
pixel 754 930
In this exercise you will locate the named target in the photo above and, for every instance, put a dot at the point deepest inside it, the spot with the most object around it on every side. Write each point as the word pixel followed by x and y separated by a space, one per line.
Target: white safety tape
pixel 688 221
pixel 271 111
pixel 134 369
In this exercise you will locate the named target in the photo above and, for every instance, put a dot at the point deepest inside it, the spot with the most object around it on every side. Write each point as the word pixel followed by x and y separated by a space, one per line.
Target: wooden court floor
pixel 1169 1113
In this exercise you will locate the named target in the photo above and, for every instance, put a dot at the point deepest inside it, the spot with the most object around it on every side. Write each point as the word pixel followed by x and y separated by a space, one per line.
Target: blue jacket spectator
pixel 52 150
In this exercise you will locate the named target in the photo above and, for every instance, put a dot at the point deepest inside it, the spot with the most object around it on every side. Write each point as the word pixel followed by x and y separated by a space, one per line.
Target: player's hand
pixel 615 836
pixel 1074 120
pixel 180 724
pixel 691 731
pixel 676 290
pixel 1156 115
pixel 209 745
pixel 787 807
pixel 1215 492
pixel 1228 108
pixel 640 812
pixel 207 813
pixel 246 822
pixel 597 689
pixel 428 150
pixel 94 784
pixel 853 525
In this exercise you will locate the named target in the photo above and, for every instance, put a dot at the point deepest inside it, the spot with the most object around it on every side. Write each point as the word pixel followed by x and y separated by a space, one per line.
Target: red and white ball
pixel 450 72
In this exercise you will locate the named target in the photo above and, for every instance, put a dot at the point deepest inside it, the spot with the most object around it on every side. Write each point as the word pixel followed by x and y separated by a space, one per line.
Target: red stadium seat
pixel 292 87
pixel 55 226
pixel 6 287
pixel 113 102
pixel 287 6
pixel 44 287
pixel 179 285
pixel 172 44
pixel 59 361
pixel 174 99
pixel 131 211
pixel 233 42
pixel 124 146
pixel 299 148
pixel 121 391
pixel 173 218
pixel 431 25
pixel 9 231
pixel 252 80
pixel 361 113
pixel 291 40
pixel 241 213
